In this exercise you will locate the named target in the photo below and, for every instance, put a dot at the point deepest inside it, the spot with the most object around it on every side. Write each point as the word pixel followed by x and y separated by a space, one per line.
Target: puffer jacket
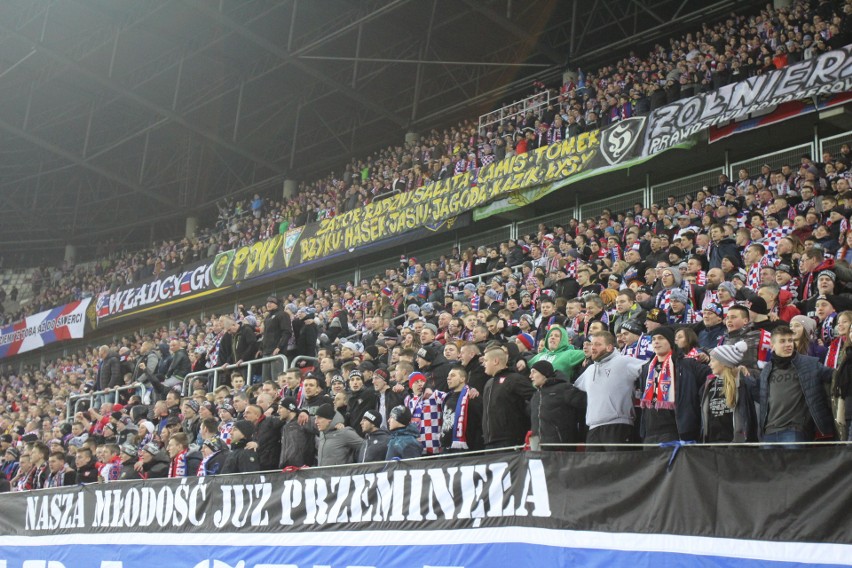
pixel 556 411
pixel 403 443
pixel 337 447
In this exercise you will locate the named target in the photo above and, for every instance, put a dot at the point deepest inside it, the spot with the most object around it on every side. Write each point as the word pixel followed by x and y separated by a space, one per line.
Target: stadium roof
pixel 120 118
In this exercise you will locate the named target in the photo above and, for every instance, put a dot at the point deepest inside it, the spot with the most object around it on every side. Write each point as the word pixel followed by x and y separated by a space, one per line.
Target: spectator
pixel 727 408
pixel 335 446
pixel 375 445
pixel 183 462
pixel 129 458
pixel 609 407
pixel 505 420
pixel 277 330
pixel 87 470
pixel 155 463
pixel 557 408
pixel 297 442
pixel 402 442
pixel 240 459
pixel 559 352
pixel 671 395
pixel 792 395
pixel 461 428
pixel 214 455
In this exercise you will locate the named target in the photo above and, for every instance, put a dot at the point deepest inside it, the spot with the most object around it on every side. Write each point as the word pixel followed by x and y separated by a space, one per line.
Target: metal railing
pixel 297 359
pixel 187 380
pixel 75 400
pixel 518 108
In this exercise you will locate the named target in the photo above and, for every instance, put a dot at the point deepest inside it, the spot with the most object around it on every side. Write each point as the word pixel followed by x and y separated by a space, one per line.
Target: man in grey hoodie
pixel 335 446
pixel 609 382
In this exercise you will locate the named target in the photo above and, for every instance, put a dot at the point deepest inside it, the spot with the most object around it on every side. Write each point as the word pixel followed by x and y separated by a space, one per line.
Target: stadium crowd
pixel 704 60
pixel 718 318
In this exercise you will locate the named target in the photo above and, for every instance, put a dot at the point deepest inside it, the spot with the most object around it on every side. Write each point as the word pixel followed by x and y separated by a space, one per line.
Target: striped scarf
pixel 833 355
pixel 659 390
pixel 178 467
pixel 460 425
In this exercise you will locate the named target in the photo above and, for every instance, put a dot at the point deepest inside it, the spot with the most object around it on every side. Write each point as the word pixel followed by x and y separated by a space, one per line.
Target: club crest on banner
pixel 617 141
pixel 291 239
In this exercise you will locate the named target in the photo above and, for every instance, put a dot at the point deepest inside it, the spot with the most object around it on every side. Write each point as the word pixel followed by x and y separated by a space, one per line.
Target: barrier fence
pixel 75 400
pixel 187 380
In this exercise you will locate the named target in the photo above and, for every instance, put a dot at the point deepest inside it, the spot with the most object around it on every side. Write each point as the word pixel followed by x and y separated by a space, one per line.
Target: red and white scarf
pixel 659 391
pixel 178 468
pixel 834 352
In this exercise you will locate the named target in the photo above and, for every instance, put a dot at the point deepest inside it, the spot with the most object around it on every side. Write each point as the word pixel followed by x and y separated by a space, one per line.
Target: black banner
pixel 828 74
pixel 778 495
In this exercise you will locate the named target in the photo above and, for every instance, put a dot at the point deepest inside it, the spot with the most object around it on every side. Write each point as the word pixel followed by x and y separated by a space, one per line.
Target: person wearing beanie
pixel 804 335
pixel 557 408
pixel 297 441
pixel 711 329
pixel 525 342
pixel 739 328
pixel 335 446
pixel 680 311
pixel 633 340
pixel 790 390
pixel 727 408
pixel 402 443
pixel 671 395
pixel 559 352
pixel 759 315
pixel 375 445
pixel 240 459
pixel 129 458
pixel 670 279
pixel 277 331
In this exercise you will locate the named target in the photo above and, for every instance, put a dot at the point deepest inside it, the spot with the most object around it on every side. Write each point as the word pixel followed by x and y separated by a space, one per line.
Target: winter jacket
pixel 244 344
pixel 109 372
pixel 89 474
pixel 745 416
pixel 505 420
pixel 375 446
pixel 216 463
pixel 752 337
pixel 277 329
pixel 690 376
pixel 180 365
pixel 158 467
pixel 306 342
pixel 297 445
pixel 267 434
pixel 437 372
pixel 716 252
pixel 241 460
pixel 636 313
pixel 564 358
pixel 127 470
pixel 337 447
pixel 403 444
pixel 813 377
pixel 708 337
pixel 556 410
pixel 609 385
pixel 359 403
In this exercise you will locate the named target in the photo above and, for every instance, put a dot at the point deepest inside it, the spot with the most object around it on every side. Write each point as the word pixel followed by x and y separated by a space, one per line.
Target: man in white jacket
pixel 609 382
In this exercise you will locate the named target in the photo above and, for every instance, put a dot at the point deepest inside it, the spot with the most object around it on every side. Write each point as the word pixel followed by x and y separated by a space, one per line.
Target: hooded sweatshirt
pixel 564 358
pixel 609 385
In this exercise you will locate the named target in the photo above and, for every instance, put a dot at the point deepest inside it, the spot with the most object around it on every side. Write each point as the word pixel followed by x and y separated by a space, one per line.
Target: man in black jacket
pixel 297 442
pixel 435 366
pixel 180 365
pixel 277 330
pixel 241 459
pixel 375 446
pixel 505 421
pixel 109 369
pixel 87 471
pixel 266 440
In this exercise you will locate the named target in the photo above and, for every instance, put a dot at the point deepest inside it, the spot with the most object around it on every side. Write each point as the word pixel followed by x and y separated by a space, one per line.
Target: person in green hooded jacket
pixel 560 353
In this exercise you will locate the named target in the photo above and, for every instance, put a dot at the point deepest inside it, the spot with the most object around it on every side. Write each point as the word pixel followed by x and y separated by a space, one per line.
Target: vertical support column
pixel 70 254
pixel 191 227
pixel 291 188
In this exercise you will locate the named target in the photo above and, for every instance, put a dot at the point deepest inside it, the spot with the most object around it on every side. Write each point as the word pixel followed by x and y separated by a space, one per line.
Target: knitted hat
pixel 413 308
pixel 401 414
pixel 544 367
pixel 15 453
pixel 526 339
pixel 715 308
pixel 414 377
pixel 373 417
pixel 632 326
pixel 426 354
pixel 675 274
pixel 215 444
pixel 729 287
pixel 807 323
pixel 152 448
pixel 828 274
pixel 431 327
pixel 679 295
pixel 427 308
pixel 289 403
pixel 667 333
pixel 272 300
pixel 381 373
pixel 130 450
pixel 245 427
pixel 193 404
pixel 325 411
pixel 730 355
pixel 758 306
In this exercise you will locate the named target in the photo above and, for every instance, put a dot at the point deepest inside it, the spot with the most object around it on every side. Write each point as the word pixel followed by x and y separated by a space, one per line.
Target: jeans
pixel 785 436
pixel 271 370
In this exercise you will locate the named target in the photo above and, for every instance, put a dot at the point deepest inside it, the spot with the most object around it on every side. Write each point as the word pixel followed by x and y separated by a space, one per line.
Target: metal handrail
pixel 74 400
pixel 532 102
pixel 303 358
pixel 187 380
